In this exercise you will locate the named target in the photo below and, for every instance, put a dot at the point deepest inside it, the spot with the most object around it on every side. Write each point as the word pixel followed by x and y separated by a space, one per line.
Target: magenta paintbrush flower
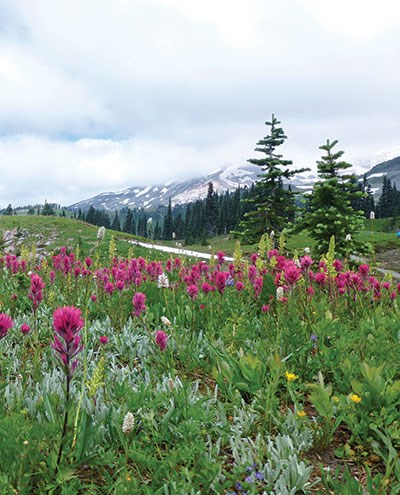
pixel 161 339
pixel 5 324
pixel 67 324
pixel 139 300
pixel 193 291
pixel 36 291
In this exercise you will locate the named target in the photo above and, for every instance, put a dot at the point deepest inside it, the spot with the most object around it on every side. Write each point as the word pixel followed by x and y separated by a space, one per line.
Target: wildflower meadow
pixel 267 374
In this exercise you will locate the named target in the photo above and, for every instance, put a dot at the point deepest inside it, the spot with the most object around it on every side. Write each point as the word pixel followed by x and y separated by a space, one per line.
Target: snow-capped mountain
pixel 390 168
pixel 228 179
pixel 180 192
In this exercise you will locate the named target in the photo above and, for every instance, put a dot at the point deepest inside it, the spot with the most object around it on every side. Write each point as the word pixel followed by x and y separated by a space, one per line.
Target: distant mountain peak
pixel 226 179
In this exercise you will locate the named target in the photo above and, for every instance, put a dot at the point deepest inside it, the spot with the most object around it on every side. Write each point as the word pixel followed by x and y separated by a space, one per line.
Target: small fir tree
pixel 47 209
pixel 329 211
pixel 273 203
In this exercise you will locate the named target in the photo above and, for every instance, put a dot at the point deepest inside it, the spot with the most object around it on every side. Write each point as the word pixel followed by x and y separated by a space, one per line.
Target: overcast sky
pixel 102 95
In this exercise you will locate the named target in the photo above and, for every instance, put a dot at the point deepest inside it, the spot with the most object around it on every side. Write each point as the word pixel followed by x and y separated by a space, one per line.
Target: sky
pixel 103 95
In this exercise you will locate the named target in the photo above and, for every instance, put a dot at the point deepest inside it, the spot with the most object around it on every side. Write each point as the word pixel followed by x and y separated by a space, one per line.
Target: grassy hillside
pixel 381 234
pixel 49 233
pixel 46 234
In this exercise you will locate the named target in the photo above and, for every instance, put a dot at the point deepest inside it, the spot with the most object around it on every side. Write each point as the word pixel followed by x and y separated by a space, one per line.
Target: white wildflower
pixel 166 321
pixel 162 281
pixel 372 215
pixel 129 423
pixel 101 233
pixel 307 250
pixel 280 294
pixel 348 237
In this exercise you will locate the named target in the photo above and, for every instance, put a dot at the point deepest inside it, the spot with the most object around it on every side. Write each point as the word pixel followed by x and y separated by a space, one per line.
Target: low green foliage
pixel 230 375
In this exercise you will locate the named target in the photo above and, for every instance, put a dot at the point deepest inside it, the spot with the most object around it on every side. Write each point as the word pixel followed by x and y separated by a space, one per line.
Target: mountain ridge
pixel 225 179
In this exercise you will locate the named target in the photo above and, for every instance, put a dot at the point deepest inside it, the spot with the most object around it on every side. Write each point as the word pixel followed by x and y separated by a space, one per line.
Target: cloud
pixel 35 168
pixel 116 93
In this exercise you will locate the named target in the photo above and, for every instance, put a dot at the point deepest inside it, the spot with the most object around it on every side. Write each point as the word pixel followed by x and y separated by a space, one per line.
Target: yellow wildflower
pixel 290 377
pixel 335 399
pixel 355 398
pixel 301 414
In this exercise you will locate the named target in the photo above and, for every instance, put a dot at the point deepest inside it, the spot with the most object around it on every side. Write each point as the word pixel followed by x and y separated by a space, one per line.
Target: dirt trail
pixel 389 260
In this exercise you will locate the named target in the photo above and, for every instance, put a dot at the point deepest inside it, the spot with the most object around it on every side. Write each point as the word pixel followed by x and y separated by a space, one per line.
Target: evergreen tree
pixel 211 212
pixel 386 201
pixel 128 224
pixel 168 228
pixel 179 226
pixel 189 232
pixel 157 231
pixel 91 215
pixel 329 211
pixel 9 210
pixel 47 209
pixel 273 204
pixel 369 201
pixel 115 225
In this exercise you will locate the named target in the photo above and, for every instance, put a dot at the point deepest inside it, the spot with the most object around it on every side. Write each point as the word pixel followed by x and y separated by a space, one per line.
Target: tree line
pixel 196 221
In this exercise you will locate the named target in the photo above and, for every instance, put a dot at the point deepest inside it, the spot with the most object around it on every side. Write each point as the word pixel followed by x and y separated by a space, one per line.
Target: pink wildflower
pixel 220 281
pixel 265 308
pixel 320 278
pixel 109 288
pixel 305 262
pixel 239 286
pixel 253 258
pixel 161 339
pixel 103 340
pixel 258 285
pixel 25 328
pixel 36 291
pixel 291 272
pixel 220 257
pixel 337 265
pixel 5 324
pixel 193 291
pixel 67 324
pixel 363 270
pixel 120 285
pixel 206 287
pixel 139 300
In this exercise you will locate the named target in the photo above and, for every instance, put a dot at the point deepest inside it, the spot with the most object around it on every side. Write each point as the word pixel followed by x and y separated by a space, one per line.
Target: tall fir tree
pixel 128 224
pixel 329 211
pixel 116 225
pixel 385 205
pixel 211 212
pixel 168 227
pixel 273 203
